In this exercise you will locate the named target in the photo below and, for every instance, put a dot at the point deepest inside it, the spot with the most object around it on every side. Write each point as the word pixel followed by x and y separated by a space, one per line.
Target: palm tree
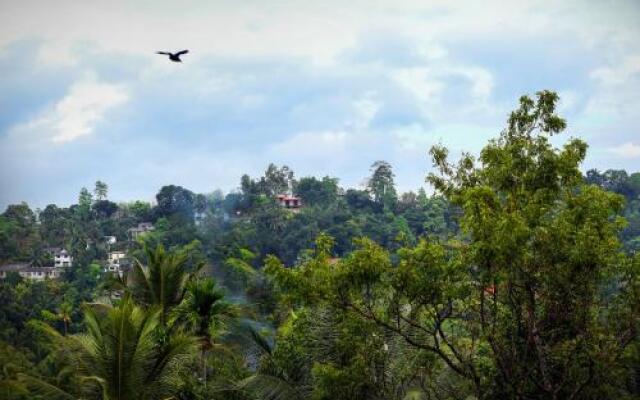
pixel 64 314
pixel 119 358
pixel 162 282
pixel 204 312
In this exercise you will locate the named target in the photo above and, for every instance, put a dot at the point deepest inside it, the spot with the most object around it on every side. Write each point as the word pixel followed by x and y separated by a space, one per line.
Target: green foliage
pixel 317 192
pixel 381 185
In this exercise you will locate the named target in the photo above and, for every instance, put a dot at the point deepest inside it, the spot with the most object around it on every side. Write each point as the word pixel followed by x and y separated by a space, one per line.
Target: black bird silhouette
pixel 175 57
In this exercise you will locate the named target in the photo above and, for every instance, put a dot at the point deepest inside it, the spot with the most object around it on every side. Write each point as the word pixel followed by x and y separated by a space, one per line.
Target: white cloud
pixel 77 113
pixel 627 150
pixel 413 138
pixel 620 73
pixel 420 81
pixel 312 146
pixel 365 109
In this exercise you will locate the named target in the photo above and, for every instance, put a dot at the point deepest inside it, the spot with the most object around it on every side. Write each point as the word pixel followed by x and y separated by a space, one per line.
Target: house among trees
pixel 28 272
pixel 62 258
pixel 141 229
pixel 289 201
pixel 116 262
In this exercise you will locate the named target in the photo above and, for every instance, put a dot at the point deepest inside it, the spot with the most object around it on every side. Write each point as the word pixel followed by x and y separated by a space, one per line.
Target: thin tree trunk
pixel 204 368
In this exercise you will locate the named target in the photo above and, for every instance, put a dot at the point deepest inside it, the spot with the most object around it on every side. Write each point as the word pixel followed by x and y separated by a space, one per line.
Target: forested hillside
pixel 515 275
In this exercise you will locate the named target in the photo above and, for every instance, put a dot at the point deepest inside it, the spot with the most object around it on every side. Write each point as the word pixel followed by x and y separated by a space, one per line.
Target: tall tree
pixel 101 190
pixel 84 198
pixel 277 180
pixel 205 313
pixel 381 185
pixel 163 280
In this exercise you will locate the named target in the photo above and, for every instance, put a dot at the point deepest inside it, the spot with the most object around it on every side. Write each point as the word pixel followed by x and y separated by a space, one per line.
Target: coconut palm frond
pixel 42 388
pixel 269 387
pixel 260 341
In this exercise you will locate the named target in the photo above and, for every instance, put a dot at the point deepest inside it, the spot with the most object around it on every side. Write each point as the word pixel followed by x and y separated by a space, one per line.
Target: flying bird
pixel 175 57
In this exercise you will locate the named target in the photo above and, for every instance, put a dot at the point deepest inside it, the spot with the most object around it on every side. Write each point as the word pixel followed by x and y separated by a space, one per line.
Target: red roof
pixel 287 197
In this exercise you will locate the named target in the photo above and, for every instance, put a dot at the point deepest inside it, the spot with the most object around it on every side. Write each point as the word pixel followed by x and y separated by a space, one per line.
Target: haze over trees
pixel 517 278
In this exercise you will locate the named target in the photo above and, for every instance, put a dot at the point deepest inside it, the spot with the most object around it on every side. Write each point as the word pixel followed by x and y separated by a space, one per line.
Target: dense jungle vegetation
pixel 517 278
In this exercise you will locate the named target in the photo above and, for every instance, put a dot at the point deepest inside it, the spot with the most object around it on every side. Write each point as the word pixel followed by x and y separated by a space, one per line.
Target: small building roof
pixel 39 269
pixel 13 267
pixel 288 197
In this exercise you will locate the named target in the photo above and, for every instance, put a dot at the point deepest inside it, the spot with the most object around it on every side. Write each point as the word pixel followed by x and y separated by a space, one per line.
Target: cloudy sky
pixel 324 87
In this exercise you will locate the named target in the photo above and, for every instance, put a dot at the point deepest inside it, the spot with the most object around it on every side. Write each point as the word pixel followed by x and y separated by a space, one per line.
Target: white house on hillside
pixel 28 272
pixel 116 262
pixel 62 258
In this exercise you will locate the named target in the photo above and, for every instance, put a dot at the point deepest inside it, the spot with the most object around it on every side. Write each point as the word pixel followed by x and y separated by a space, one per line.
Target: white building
pixel 28 272
pixel 40 274
pixel 116 262
pixel 62 258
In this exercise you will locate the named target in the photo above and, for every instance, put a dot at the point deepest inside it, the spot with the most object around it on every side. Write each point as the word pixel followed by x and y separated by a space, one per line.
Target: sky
pixel 325 87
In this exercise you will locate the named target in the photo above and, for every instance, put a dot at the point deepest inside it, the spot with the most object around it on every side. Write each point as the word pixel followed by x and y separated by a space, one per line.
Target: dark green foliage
pixel 317 192
pixel 175 201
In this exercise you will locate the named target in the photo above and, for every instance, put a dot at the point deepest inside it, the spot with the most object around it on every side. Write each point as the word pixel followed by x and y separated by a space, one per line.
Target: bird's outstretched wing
pixel 182 52
pixel 163 52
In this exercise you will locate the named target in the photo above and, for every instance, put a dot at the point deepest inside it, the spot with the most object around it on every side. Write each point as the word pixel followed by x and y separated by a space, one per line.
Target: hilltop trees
pixel 176 201
pixel 317 192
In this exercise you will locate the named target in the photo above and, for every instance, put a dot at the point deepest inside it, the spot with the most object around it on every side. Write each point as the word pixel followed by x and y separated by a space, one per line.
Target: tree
pixel 101 190
pixel 19 232
pixel 162 282
pixel 176 200
pixel 200 203
pixel 119 358
pixel 205 313
pixel 317 192
pixel 104 208
pixel 52 224
pixel 64 314
pixel 359 200
pixel 381 184
pixel 85 199
pixel 277 180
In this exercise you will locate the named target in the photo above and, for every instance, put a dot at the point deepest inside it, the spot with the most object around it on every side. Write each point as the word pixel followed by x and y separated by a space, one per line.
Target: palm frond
pixel 268 387
pixel 42 388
